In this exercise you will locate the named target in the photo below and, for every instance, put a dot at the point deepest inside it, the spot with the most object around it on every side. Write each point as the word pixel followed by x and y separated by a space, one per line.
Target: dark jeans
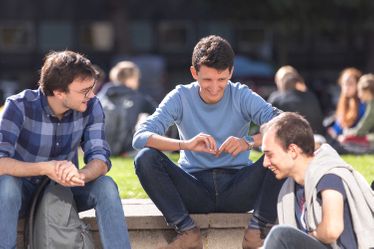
pixel 177 193
pixel 287 237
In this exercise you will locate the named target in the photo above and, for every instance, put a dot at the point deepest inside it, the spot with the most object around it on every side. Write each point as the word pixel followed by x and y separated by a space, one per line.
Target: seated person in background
pixel 349 109
pixel 123 106
pixel 215 173
pixel 363 132
pixel 324 203
pixel 290 99
pixel 283 71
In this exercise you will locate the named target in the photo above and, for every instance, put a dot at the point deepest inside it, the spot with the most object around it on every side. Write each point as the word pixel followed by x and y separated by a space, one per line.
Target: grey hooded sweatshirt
pixel 359 195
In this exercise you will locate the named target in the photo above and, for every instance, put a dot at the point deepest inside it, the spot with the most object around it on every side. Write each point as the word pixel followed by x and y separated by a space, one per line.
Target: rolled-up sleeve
pixel 93 142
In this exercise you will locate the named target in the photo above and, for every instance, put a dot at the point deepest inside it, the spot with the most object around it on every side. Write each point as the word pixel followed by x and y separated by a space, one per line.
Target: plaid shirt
pixel 30 132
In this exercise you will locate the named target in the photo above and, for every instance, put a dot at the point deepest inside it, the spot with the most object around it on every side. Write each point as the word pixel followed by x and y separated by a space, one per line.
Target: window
pixel 141 36
pixel 55 36
pixel 175 36
pixel 96 36
pixel 255 40
pixel 16 36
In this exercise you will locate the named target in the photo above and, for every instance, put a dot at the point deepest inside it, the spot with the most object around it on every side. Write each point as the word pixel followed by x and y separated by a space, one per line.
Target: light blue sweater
pixel 231 116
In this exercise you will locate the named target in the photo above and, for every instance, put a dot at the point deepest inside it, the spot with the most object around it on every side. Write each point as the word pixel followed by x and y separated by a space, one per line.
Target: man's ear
pixel 193 72
pixel 231 72
pixel 59 94
pixel 294 150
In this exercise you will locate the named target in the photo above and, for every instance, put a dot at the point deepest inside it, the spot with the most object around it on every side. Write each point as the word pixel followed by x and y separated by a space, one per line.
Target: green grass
pixel 123 172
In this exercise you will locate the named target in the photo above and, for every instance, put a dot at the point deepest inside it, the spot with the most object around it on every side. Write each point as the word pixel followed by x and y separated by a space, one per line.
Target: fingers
pixel 204 143
pixel 67 174
pixel 76 181
pixel 210 142
pixel 232 145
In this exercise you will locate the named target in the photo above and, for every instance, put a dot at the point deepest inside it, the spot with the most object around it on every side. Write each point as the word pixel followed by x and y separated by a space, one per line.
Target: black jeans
pixel 177 193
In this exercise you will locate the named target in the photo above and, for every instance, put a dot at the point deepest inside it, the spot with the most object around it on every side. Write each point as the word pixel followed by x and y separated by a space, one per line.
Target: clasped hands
pixel 65 173
pixel 206 143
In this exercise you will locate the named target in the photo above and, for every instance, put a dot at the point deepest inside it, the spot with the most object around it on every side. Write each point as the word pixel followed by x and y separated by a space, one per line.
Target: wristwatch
pixel 249 140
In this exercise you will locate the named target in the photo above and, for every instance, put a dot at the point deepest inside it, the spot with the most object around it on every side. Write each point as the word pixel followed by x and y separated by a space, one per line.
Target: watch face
pixel 249 139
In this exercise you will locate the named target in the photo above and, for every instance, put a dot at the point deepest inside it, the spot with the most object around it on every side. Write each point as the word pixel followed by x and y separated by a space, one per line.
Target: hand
pixel 233 145
pixel 332 132
pixel 313 233
pixel 68 173
pixel 341 138
pixel 201 143
pixel 65 173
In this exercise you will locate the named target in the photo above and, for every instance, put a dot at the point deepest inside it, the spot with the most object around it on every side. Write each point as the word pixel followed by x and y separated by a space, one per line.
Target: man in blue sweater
pixel 213 116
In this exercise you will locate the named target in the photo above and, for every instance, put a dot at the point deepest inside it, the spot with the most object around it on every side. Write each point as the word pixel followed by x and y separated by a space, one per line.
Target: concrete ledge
pixel 148 229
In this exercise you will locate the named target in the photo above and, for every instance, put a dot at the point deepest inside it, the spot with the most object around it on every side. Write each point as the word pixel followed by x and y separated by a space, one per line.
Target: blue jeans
pixel 102 194
pixel 177 193
pixel 287 237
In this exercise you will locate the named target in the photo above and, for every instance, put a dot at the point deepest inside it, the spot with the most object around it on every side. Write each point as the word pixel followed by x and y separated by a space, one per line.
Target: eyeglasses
pixel 86 92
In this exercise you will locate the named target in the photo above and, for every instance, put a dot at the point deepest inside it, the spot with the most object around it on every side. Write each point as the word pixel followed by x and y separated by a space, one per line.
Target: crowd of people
pixel 350 129
pixel 303 195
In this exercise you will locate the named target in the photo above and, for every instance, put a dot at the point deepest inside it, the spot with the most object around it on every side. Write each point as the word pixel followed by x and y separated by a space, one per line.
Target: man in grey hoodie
pixel 324 203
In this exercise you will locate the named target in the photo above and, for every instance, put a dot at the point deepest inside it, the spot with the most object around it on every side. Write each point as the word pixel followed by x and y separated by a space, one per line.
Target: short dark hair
pixel 213 51
pixel 60 69
pixel 292 128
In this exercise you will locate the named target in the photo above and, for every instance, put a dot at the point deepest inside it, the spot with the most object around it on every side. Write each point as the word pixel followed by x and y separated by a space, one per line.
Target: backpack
pixel 54 222
pixel 118 125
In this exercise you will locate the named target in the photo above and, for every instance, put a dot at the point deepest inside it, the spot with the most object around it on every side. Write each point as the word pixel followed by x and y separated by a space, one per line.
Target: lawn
pixel 123 172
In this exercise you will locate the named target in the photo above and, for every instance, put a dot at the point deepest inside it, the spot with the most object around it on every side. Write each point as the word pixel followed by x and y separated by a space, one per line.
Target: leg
pixel 15 195
pixel 174 191
pixel 287 237
pixel 242 189
pixel 253 187
pixel 265 213
pixel 256 188
pixel 102 194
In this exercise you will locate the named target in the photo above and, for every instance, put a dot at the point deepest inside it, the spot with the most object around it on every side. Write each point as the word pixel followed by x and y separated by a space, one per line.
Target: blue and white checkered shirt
pixel 30 132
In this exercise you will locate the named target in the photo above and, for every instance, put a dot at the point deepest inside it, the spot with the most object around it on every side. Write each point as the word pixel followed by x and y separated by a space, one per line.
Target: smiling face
pixel 277 159
pixel 80 92
pixel 212 83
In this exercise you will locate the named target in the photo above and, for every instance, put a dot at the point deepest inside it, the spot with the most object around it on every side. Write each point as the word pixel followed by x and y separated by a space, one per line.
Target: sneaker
pixel 254 237
pixel 190 239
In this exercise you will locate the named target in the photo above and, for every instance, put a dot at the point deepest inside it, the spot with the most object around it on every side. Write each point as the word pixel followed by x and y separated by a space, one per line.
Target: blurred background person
pixel 293 96
pixel 124 106
pixel 349 109
pixel 282 71
pixel 361 137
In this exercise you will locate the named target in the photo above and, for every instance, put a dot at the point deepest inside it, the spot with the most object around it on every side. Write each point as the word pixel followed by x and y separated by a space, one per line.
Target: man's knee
pixel 105 189
pixel 279 232
pixel 145 158
pixel 10 191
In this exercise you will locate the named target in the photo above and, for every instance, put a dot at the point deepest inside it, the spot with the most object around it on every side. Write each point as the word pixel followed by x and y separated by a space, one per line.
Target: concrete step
pixel 148 229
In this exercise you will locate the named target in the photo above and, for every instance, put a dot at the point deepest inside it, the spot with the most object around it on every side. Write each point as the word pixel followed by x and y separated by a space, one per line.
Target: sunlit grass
pixel 124 174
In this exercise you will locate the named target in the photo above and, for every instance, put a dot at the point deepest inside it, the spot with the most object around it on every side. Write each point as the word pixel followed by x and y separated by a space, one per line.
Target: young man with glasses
pixel 40 132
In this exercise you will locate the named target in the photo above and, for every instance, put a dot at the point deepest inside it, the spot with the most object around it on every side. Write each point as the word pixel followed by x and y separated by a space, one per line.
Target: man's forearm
pixel 13 167
pixel 94 169
pixel 164 143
